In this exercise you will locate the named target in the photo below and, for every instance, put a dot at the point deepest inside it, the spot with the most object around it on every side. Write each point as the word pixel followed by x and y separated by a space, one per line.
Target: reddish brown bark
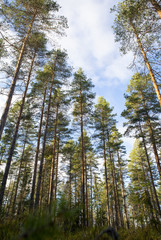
pixel 147 64
pixel 5 176
pixel 37 152
pixel 157 7
pixel 13 84
pixel 44 140
pixel 56 172
pixel 51 183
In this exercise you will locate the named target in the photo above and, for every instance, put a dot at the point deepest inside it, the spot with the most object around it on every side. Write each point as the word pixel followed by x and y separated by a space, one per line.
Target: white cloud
pixel 90 41
pixel 118 70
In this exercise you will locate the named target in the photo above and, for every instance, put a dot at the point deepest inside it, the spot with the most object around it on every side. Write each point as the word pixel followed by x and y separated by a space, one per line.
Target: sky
pixel 90 45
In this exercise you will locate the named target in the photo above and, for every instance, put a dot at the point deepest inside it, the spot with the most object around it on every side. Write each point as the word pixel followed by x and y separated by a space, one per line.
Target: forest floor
pixel 45 229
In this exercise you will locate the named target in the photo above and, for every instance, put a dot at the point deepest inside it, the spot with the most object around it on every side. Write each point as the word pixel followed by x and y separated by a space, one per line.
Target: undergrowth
pixel 63 224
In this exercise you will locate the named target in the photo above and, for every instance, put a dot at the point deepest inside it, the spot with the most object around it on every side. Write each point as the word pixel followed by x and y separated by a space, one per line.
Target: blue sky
pixel 90 44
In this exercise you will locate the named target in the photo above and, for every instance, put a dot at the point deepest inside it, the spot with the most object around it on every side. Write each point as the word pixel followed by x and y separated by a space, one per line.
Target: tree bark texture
pixel 51 183
pixel 57 165
pixel 107 192
pixel 157 7
pixel 147 64
pixel 18 177
pixel 37 152
pixel 15 77
pixel 82 158
pixel 44 140
pixel 123 191
pixel 5 176
pixel 149 166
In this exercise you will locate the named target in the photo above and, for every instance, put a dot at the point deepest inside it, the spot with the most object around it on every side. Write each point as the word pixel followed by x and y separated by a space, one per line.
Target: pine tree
pixel 81 90
pixel 24 17
pixel 60 106
pixel 143 109
pixel 36 47
pixel 120 151
pixel 132 26
pixel 69 150
pixel 140 196
pixel 59 71
pixel 101 117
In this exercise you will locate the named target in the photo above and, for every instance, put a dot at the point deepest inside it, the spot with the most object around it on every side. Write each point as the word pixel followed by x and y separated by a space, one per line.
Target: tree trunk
pixel 112 211
pixel 22 192
pixel 152 136
pixel 82 158
pixel 114 189
pixel 10 194
pixel 96 195
pixel 157 7
pixel 151 199
pixel 154 147
pixel 91 187
pixel 37 152
pixel 78 192
pixel 56 172
pixel 5 176
pixel 51 183
pixel 139 207
pixel 18 177
pixel 13 84
pixel 75 192
pixel 44 142
pixel 86 189
pixel 150 171
pixel 70 183
pixel 147 180
pixel 42 186
pixel 117 196
pixel 123 191
pixel 147 64
pixel 106 181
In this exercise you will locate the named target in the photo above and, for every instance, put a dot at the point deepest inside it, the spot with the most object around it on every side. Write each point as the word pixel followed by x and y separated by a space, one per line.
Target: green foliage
pixel 141 104
pixel 86 200
pixel 44 228
pixel 9 229
pixel 18 14
pixel 37 42
pixel 67 217
pixel 131 13
pixel 148 233
pixel 82 95
pixel 103 121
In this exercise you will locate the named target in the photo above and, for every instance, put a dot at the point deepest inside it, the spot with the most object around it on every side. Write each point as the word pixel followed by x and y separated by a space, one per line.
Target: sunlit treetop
pixel 19 14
